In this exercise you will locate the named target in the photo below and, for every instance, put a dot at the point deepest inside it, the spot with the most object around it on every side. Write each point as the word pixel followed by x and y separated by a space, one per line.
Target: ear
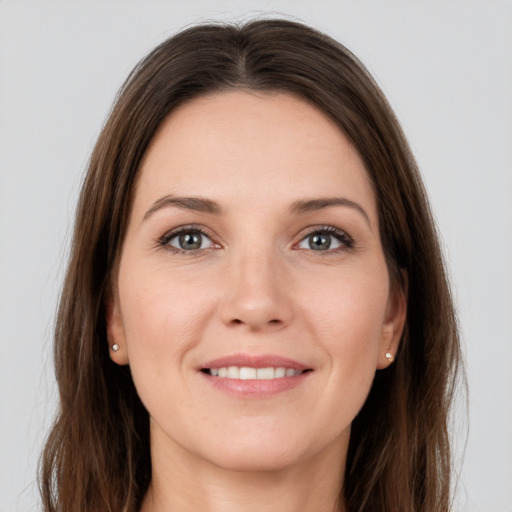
pixel 394 323
pixel 115 332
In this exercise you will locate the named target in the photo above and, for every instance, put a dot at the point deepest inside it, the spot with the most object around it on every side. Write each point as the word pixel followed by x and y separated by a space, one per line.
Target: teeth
pixel 247 373
pixel 265 373
pixel 279 372
pixel 233 372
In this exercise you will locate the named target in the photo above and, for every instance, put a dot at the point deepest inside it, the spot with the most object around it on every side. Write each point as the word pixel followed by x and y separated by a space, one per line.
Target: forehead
pixel 252 146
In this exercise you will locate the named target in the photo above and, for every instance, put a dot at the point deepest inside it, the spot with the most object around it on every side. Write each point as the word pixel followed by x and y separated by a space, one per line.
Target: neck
pixel 186 483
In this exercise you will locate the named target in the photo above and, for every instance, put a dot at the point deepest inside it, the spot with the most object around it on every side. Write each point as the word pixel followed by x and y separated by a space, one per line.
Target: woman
pixel 255 314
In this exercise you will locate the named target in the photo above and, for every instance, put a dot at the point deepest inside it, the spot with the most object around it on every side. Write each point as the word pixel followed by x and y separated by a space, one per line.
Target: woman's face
pixel 253 300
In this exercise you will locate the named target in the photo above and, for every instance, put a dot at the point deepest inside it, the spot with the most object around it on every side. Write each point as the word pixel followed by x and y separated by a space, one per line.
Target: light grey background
pixel 446 67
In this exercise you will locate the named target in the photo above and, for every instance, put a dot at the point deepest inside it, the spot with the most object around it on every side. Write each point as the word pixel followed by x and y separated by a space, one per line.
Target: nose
pixel 257 292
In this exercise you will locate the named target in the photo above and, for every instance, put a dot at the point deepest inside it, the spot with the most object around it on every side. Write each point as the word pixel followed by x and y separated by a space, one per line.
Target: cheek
pixel 347 315
pixel 349 305
pixel 164 315
pixel 163 312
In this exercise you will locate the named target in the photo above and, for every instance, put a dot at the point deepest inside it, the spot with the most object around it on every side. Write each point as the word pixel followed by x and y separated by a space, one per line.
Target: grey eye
pixel 190 241
pixel 320 241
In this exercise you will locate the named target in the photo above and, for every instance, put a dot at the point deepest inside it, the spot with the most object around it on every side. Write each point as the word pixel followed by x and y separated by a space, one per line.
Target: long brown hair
pixel 97 454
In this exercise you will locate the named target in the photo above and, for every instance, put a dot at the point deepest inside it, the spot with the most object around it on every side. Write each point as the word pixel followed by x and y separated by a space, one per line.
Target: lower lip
pixel 256 388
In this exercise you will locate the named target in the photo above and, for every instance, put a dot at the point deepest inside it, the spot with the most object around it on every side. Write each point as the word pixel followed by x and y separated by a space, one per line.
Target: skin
pixel 256 286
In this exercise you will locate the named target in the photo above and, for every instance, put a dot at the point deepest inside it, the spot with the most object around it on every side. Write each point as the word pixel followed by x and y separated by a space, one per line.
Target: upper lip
pixel 255 361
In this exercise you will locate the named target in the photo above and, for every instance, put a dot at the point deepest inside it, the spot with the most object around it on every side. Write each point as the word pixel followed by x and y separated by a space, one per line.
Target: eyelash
pixel 164 240
pixel 347 243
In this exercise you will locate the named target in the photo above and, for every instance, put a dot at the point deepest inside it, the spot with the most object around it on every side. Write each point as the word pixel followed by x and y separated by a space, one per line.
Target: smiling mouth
pixel 249 373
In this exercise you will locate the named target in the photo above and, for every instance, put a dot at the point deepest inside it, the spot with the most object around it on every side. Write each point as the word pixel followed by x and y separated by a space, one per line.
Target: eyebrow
pixel 311 205
pixel 198 204
pixel 201 204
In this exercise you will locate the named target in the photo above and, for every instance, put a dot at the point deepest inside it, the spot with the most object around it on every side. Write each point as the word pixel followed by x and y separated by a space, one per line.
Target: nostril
pixel 274 321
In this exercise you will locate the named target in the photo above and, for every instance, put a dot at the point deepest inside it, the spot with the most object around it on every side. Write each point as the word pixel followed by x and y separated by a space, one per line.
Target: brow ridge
pixel 204 205
pixel 198 204
pixel 309 205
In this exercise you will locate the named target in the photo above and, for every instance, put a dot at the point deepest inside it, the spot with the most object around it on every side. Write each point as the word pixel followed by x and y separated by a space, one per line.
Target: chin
pixel 257 459
pixel 263 450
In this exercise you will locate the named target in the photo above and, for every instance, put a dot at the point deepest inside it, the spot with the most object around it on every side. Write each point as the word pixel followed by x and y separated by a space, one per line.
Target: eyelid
pixel 347 242
pixel 341 235
pixel 163 241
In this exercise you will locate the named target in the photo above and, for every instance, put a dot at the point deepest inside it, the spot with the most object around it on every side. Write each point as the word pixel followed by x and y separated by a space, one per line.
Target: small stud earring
pixel 389 357
pixel 115 347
